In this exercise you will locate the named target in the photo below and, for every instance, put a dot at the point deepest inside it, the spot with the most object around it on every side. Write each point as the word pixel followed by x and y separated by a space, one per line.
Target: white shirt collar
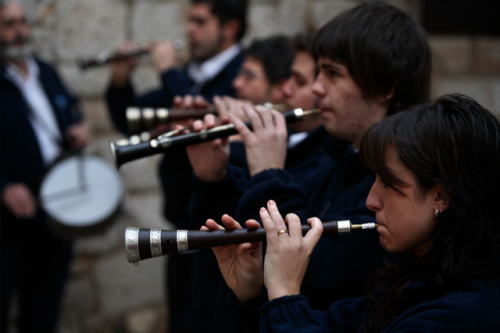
pixel 14 73
pixel 201 73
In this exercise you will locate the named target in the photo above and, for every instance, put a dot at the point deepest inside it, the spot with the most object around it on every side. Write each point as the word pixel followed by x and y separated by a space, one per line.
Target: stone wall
pixel 105 293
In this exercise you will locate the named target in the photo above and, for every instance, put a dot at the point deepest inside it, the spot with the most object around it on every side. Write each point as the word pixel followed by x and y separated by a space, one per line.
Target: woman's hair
pixel 454 142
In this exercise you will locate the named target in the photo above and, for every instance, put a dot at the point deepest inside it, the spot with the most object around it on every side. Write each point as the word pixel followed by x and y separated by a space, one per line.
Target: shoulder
pixel 473 309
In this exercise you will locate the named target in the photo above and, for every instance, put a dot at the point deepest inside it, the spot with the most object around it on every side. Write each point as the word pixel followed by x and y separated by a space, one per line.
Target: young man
pixel 39 120
pixel 373 61
pixel 215 29
pixel 265 70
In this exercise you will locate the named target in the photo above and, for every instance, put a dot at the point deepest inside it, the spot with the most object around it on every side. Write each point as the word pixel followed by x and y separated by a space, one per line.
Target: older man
pixel 40 120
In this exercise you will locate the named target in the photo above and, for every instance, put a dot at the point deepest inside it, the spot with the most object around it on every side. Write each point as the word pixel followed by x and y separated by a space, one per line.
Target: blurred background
pixel 105 293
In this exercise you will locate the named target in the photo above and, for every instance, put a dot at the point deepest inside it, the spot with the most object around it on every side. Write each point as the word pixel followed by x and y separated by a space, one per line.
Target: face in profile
pixel 298 88
pixel 346 112
pixel 14 32
pixel 205 33
pixel 251 84
pixel 405 213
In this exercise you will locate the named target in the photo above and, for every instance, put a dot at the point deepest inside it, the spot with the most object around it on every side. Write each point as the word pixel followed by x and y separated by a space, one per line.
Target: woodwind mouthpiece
pixel 142 244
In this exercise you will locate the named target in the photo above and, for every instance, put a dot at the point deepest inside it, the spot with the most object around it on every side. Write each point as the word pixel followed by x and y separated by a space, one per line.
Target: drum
pixel 81 195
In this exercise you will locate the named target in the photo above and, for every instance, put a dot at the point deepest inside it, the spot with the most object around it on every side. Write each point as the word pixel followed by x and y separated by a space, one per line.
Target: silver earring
pixel 436 212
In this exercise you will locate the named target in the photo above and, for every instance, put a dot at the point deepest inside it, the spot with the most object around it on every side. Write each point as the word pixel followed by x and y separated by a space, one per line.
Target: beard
pixel 11 51
pixel 208 50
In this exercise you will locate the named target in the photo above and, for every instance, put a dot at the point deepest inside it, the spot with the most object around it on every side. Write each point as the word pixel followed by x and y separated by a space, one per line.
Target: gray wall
pixel 105 293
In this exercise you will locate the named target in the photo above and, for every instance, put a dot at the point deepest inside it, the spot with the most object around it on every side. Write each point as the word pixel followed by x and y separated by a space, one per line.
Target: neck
pixel 21 65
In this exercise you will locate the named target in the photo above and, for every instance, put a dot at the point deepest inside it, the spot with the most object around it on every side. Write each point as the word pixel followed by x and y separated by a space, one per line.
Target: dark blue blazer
pixel 21 158
pixel 173 82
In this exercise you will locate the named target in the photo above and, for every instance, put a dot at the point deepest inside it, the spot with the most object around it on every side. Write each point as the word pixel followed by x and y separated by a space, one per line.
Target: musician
pixel 373 61
pixel 204 281
pixel 215 29
pixel 438 210
pixel 265 70
pixel 40 119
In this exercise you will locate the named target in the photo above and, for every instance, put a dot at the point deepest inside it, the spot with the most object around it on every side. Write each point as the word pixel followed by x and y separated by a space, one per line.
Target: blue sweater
pixel 336 190
pixel 475 308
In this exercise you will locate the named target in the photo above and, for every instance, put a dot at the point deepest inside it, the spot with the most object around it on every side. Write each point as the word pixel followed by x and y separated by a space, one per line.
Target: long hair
pixel 454 142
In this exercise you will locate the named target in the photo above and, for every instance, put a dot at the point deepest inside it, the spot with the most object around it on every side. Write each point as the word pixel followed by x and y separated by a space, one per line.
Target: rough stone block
pixel 142 320
pixel 487 55
pixel 91 83
pixel 125 286
pixel 263 21
pixel 476 87
pixel 141 174
pixel 324 11
pixel 293 16
pixel 451 55
pixel 89 27
pixel 146 210
pixel 158 20
pixel 96 115
pixel 78 303
pixel 145 78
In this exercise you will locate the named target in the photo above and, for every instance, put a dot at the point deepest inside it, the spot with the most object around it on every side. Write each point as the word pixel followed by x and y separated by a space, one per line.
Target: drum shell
pixel 65 215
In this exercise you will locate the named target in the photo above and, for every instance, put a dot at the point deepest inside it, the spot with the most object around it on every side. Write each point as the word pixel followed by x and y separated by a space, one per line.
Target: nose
pixel 287 88
pixel 238 82
pixel 373 201
pixel 318 88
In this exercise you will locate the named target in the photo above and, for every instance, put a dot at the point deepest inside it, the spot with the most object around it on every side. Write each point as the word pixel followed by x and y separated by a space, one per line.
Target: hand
pixel 287 254
pixel 164 55
pixel 19 200
pixel 121 69
pixel 241 265
pixel 185 103
pixel 209 159
pixel 266 145
pixel 78 135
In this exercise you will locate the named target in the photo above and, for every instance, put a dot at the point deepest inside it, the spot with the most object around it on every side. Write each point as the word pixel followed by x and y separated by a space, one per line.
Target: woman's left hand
pixel 287 253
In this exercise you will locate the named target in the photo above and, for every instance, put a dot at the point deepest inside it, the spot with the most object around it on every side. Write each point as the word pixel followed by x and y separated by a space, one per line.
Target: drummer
pixel 40 120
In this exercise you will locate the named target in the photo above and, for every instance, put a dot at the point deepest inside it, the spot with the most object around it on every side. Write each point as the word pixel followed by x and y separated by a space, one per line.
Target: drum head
pixel 81 192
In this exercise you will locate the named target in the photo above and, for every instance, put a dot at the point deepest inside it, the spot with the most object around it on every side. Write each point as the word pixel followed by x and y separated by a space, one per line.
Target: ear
pixel 231 29
pixel 440 198
pixel 383 99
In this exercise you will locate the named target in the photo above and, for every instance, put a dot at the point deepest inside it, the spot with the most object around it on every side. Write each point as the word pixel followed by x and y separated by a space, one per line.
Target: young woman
pixel 435 196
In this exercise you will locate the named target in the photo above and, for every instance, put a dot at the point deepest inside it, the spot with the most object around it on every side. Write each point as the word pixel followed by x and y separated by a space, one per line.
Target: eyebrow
pixel 328 66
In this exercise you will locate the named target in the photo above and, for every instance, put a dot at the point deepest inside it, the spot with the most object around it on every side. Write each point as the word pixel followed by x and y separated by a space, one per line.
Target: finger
pixel 254 118
pixel 241 127
pixel 269 226
pixel 272 208
pixel 312 237
pixel 252 224
pixel 230 223
pixel 266 116
pixel 200 102
pixel 198 125
pixel 187 102
pixel 220 106
pixel 279 121
pixel 294 226
pixel 212 225
pixel 210 121
pixel 177 102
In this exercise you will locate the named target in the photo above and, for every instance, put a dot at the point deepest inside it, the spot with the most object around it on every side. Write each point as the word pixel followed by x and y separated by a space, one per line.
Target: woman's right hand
pixel 241 264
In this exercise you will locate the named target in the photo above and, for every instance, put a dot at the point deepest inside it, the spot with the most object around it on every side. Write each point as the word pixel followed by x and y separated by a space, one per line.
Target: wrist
pixel 278 292
pixel 213 176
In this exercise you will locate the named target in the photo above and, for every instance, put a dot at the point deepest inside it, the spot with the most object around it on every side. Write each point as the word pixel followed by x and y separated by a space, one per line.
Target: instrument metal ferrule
pixel 182 241
pixel 344 227
pixel 132 245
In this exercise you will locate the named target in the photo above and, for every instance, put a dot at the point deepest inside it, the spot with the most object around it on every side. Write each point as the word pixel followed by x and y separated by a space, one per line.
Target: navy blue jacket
pixel 173 82
pixel 474 308
pixel 21 158
pixel 336 190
